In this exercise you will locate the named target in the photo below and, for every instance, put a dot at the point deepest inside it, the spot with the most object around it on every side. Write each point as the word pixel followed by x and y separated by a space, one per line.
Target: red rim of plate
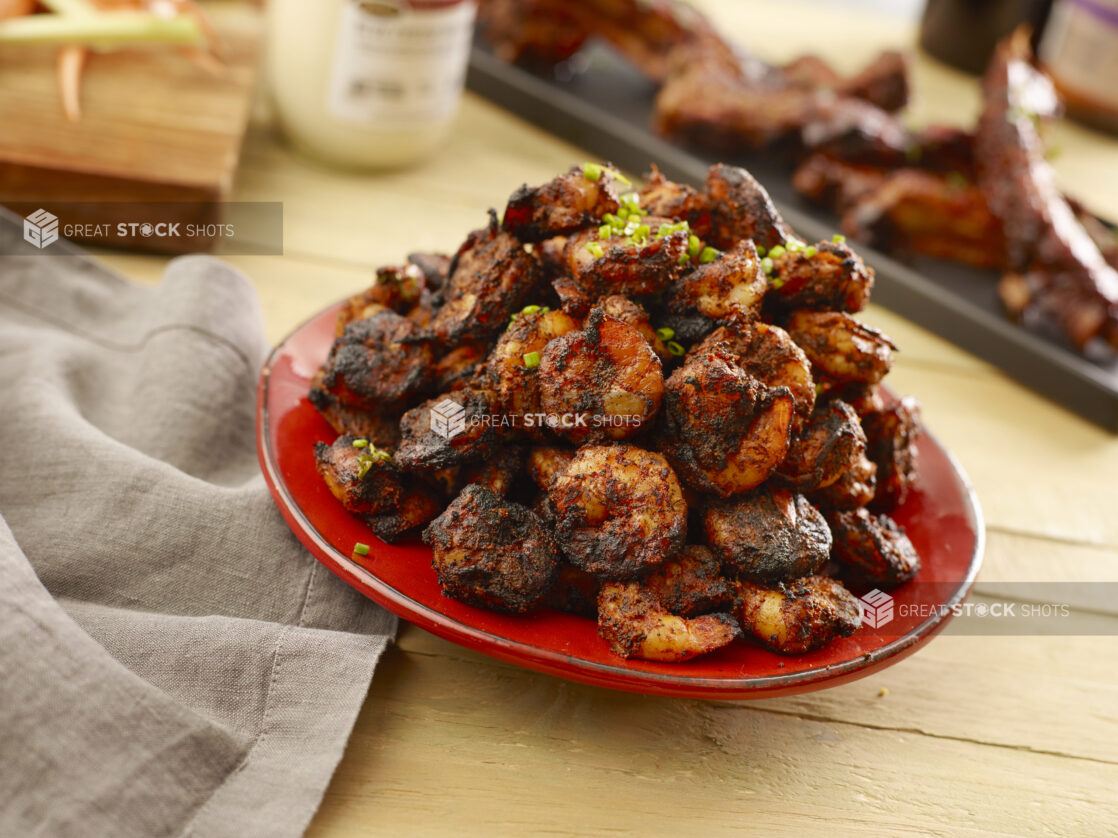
pixel 615 676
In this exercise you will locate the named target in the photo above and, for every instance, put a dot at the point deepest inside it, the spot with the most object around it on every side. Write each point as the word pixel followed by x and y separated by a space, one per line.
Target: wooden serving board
pixel 155 127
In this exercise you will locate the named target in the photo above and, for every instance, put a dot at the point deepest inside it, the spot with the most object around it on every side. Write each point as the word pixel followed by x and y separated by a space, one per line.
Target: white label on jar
pixel 400 67
pixel 1080 48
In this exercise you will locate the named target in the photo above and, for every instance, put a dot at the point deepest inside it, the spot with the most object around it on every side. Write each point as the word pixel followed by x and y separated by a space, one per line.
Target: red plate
pixel 942 518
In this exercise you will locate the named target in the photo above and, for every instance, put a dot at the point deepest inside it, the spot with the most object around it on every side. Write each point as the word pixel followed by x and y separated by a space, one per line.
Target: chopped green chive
pixel 777 252
pixel 795 245
pixel 532 359
pixel 818 389
pixel 694 246
pixel 809 252
pixel 513 317
pixel 605 231
pixel 592 171
pixel 620 178
pixel 665 333
pixel 642 232
pixel 365 464
pixel 778 282
pixel 529 309
pixel 838 238
pixel 360 443
pixel 631 200
pixel 767 265
pixel 709 254
pixel 361 549
pixel 611 219
pixel 761 251
pixel 595 250
pixel 545 309
pixel 676 348
pixel 684 258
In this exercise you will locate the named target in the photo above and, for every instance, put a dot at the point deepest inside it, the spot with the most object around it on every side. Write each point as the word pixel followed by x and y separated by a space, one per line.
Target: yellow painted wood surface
pixel 973 736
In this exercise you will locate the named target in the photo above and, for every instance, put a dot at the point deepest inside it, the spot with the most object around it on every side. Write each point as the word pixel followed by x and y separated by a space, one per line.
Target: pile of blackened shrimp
pixel 648 407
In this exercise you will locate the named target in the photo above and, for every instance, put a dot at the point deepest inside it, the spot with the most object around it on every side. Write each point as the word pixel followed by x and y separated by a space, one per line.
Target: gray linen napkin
pixel 172 662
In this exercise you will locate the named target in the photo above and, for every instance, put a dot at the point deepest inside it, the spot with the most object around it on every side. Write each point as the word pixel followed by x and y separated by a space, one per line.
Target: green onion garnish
pixel 809 252
pixel 605 231
pixel 532 359
pixel 761 251
pixel 767 265
pixel 665 333
pixel 778 282
pixel 838 238
pixel 366 463
pixel 611 219
pixel 709 254
pixel 592 171
pixel 595 250
pixel 694 246
pixel 360 443
pixel 529 309
pixel 777 252
pixel 676 348
pixel 361 549
pixel 684 258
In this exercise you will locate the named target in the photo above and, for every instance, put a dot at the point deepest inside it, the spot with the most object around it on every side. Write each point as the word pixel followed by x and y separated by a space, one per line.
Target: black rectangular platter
pixel 605 109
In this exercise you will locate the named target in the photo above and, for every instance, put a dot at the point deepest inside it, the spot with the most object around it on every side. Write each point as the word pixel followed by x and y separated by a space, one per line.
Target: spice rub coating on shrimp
pixel 767 535
pixel 723 430
pixel 619 510
pixel 622 264
pixel 691 583
pixel 831 443
pixel 892 432
pixel 874 548
pixel 841 347
pixel 369 484
pixel 797 617
pixel 732 284
pixel 378 363
pixel 826 275
pixel 604 379
pixel 513 371
pixel 426 442
pixel 740 208
pixel 570 201
pixel 492 553
pixel 636 625
pixel 490 278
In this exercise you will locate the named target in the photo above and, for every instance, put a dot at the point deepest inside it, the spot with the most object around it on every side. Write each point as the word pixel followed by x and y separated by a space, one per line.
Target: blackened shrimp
pixel 568 202
pixel 622 264
pixel 455 369
pixel 855 488
pixel 635 315
pixel 740 208
pixel 691 583
pixel 769 354
pixel 398 288
pixel 546 461
pixel 575 592
pixel 490 278
pixel 636 625
pixel 492 553
pixel 619 510
pixel 767 535
pixel 512 372
pixel 841 347
pixel 378 363
pixel 827 275
pixel 892 433
pixel 603 382
pixel 831 443
pixel 723 430
pixel 874 548
pixel 732 284
pixel 369 484
pixel 668 199
pixel 799 616
pixel 447 431
pixel 381 427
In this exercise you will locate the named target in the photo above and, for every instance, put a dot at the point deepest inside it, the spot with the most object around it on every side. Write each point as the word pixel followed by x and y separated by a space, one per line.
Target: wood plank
pixel 451 747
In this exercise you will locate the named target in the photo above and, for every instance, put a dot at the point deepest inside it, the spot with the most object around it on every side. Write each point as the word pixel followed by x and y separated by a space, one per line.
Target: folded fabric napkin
pixel 172 662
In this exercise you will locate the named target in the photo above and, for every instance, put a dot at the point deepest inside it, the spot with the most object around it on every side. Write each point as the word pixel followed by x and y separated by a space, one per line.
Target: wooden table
pixel 971 736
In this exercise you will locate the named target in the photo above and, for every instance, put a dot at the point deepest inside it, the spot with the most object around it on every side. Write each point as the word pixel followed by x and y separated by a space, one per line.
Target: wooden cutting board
pixel 155 127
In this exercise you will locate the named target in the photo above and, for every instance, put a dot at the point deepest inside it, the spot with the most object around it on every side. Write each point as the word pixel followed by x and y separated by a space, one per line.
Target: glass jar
pixel 368 83
pixel 1080 51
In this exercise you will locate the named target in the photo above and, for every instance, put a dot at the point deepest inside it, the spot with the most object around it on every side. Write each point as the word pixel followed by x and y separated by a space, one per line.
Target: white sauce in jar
pixel 368 83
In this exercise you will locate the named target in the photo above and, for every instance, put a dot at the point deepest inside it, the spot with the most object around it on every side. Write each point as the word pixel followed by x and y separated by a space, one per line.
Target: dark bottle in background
pixel 963 33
